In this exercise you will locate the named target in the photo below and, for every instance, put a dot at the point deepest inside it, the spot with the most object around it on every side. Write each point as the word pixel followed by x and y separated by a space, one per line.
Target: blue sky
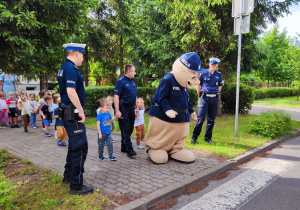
pixel 291 22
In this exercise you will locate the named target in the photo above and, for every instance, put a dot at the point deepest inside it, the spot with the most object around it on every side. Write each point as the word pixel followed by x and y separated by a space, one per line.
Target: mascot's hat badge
pixel 192 61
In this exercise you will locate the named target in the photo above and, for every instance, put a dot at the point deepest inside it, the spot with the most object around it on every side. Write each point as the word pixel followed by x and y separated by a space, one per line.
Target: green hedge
pixel 229 98
pixel 94 93
pixel 275 92
pixel 271 124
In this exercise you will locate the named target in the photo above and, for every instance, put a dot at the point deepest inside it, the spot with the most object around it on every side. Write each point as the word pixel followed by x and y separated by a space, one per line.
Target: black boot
pixel 193 141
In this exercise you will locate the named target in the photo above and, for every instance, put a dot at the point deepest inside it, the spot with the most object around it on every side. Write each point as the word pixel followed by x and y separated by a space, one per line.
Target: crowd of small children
pixel 47 109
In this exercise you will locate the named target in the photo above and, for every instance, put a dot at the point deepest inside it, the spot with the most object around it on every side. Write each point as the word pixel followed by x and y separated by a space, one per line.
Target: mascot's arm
pixel 163 95
pixel 163 98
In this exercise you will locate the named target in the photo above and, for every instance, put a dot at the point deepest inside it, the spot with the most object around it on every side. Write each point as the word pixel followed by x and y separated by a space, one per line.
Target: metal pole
pixel 238 73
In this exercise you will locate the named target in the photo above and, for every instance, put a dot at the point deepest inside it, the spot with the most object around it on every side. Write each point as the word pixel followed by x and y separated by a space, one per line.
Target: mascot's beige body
pixel 168 138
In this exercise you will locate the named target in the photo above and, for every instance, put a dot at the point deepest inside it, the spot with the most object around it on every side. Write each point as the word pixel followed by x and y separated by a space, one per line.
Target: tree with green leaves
pixel 32 32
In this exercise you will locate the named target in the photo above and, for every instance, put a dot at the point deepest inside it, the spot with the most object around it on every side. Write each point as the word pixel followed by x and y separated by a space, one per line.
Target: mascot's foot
pixel 158 156
pixel 183 156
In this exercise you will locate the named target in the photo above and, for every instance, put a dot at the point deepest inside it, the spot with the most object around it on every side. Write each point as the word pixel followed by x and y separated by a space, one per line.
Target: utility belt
pixel 203 95
pixel 179 111
pixel 67 110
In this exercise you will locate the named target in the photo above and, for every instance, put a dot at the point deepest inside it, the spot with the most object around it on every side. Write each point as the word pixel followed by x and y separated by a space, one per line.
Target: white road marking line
pixel 237 190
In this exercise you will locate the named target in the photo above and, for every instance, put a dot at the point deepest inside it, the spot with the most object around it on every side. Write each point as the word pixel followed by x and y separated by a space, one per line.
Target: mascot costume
pixel 171 111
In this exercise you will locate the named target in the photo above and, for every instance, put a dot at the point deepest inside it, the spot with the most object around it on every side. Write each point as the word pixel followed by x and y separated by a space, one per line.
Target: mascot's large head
pixel 187 69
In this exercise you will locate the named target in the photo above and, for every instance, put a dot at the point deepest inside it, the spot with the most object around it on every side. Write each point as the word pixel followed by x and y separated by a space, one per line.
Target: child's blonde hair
pixel 55 97
pixel 2 94
pixel 140 99
pixel 104 102
pixel 11 92
pixel 58 100
pixel 110 98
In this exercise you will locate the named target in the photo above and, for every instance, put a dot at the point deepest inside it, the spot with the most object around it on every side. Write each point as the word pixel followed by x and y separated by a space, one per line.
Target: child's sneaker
pixel 140 146
pixel 59 143
pixel 43 129
pixel 12 126
pixel 63 144
pixel 34 127
pixel 47 134
pixel 26 132
pixel 102 159
pixel 17 126
pixel 112 158
pixel 113 141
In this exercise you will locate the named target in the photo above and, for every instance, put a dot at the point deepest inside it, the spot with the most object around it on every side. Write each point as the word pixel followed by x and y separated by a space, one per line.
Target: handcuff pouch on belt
pixel 203 95
pixel 66 110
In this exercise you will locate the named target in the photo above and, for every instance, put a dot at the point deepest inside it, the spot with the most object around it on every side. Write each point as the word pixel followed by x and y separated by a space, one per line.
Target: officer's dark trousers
pixel 207 106
pixel 126 124
pixel 77 152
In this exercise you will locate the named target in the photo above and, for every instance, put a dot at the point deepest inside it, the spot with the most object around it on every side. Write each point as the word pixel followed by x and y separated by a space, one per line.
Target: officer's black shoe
pixel 210 141
pixel 66 181
pixel 131 153
pixel 83 191
pixel 193 141
pixel 124 150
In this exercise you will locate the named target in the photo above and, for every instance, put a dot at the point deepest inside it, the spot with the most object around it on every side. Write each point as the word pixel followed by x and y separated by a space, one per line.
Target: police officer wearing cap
pixel 73 96
pixel 124 101
pixel 211 84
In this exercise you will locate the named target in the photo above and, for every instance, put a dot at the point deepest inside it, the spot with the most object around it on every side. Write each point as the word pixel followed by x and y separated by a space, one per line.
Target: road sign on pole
pixel 247 7
pixel 245 25
pixel 241 10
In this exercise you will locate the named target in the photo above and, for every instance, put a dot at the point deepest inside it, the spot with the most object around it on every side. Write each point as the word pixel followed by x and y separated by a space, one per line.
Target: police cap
pixel 75 46
pixel 214 60
pixel 192 61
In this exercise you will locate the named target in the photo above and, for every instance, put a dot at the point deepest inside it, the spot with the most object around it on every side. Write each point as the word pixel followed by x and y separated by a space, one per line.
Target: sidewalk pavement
pixel 137 178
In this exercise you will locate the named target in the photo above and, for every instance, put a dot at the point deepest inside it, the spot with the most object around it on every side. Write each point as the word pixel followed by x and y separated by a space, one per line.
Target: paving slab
pixel 137 176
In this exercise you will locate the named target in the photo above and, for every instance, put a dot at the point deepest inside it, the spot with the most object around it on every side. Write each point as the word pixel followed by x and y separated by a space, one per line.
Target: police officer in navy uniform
pixel 124 102
pixel 211 84
pixel 73 96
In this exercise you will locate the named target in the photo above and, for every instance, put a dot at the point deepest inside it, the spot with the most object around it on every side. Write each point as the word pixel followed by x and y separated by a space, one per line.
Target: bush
pixel 229 98
pixel 94 93
pixel 271 124
pixel 275 92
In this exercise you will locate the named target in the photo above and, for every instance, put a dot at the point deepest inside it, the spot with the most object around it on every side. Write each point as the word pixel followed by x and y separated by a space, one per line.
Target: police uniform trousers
pixel 77 152
pixel 126 124
pixel 207 106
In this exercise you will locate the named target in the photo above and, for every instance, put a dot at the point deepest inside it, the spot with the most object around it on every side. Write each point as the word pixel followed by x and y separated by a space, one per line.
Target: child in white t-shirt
pixel 139 123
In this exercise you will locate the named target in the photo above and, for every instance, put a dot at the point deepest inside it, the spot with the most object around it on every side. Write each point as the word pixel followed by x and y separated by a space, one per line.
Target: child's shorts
pixel 13 114
pixel 47 122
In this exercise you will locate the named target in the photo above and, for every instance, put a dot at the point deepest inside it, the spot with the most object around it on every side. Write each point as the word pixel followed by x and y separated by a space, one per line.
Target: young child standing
pixel 112 114
pixel 3 109
pixel 104 129
pixel 33 105
pixel 12 108
pixel 25 111
pixel 46 114
pixel 60 128
pixel 139 123
pixel 39 106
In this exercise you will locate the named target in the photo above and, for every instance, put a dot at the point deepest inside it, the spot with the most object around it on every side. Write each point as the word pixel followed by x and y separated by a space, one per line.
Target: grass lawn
pixel 26 186
pixel 223 134
pixel 286 101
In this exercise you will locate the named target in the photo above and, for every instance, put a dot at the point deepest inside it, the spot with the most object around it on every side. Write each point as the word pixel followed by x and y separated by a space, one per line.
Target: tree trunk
pixel 219 113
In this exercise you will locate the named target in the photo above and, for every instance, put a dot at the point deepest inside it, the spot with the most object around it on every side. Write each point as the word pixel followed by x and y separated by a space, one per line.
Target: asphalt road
pixel 270 183
pixel 258 108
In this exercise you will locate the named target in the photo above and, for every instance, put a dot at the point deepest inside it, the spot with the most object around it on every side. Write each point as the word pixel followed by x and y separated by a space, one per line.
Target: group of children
pixel 47 107
pixel 106 124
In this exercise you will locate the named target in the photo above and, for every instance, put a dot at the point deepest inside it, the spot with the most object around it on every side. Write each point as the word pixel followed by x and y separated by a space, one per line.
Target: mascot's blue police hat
pixel 214 60
pixel 74 46
pixel 192 61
